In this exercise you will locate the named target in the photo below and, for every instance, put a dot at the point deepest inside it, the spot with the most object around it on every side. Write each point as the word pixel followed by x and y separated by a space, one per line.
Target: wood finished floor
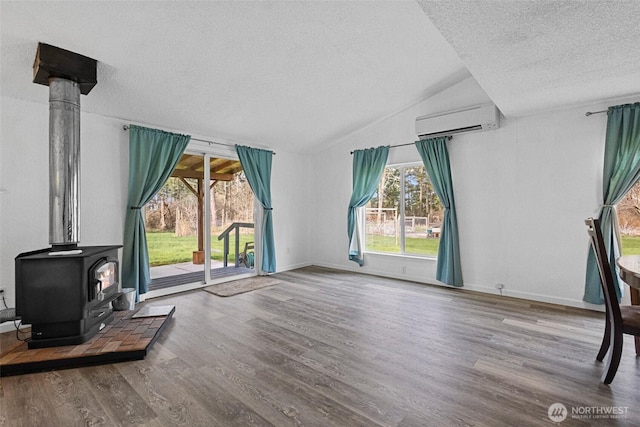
pixel 329 348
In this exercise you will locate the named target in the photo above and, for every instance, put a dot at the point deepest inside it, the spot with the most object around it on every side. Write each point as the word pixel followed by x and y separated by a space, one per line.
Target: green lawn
pixel 166 248
pixel 631 245
pixel 422 246
pixel 413 245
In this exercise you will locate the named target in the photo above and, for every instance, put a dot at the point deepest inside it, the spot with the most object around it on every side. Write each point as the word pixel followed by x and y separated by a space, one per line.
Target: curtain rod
pixel 589 113
pixel 411 143
pixel 126 127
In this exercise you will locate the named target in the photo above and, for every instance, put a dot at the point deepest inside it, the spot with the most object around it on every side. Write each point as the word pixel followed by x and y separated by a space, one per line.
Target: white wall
pixel 24 175
pixel 522 193
pixel 292 209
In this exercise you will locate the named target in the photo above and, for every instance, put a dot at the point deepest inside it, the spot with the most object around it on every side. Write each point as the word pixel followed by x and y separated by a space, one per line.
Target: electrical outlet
pixel 499 286
pixel 404 270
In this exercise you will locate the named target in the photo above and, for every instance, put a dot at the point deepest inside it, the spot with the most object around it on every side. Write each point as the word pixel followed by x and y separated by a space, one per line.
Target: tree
pixel 629 211
pixel 175 208
pixel 160 212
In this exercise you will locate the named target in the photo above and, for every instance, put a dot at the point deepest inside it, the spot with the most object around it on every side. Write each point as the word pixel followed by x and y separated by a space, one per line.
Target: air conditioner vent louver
pixel 477 118
pixel 451 132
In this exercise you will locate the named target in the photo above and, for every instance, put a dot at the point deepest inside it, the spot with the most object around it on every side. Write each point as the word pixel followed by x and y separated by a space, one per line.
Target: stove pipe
pixel 68 75
pixel 64 163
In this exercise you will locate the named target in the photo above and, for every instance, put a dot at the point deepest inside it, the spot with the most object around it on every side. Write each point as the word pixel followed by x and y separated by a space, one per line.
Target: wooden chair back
pixel 606 274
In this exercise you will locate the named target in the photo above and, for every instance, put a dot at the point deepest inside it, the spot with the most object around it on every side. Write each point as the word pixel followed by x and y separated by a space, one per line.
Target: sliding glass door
pixel 174 237
pixel 231 222
pixel 200 225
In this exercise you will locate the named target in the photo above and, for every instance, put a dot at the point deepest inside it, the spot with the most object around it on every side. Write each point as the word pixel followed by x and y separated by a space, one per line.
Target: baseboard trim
pixel 473 287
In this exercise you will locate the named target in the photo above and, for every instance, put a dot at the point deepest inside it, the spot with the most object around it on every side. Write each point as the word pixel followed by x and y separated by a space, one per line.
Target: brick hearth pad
pixel 125 338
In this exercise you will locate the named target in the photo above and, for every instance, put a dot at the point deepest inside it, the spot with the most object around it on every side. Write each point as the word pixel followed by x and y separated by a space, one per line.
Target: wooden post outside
pixel 198 256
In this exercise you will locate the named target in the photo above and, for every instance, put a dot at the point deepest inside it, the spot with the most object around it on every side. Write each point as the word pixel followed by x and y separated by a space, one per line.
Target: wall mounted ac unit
pixel 479 117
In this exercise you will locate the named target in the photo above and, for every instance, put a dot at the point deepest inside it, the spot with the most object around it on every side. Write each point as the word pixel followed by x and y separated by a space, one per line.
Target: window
pixel 405 214
pixel 629 221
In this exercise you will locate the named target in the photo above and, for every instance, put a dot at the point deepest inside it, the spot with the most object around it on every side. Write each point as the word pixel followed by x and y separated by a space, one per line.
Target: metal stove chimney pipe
pixel 64 162
pixel 68 75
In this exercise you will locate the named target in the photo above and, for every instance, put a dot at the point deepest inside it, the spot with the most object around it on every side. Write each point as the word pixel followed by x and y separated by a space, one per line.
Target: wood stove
pixel 66 295
pixel 65 291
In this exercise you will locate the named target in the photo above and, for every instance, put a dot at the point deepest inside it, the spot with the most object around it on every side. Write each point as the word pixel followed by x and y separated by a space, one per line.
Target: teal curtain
pixel 621 172
pixel 436 161
pixel 257 167
pixel 368 167
pixel 153 154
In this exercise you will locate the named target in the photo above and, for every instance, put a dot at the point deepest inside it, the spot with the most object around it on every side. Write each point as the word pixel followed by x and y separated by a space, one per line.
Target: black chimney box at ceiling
pixel 52 61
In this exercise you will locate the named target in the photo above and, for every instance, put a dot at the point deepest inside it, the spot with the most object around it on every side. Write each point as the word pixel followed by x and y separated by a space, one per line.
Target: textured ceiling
pixel 297 75
pixel 530 56
pixel 301 75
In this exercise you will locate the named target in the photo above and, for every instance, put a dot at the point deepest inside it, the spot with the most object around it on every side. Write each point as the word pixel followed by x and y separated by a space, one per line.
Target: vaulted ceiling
pixel 301 75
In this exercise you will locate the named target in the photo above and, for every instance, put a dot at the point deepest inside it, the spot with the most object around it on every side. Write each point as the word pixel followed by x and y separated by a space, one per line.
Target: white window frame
pixel 362 210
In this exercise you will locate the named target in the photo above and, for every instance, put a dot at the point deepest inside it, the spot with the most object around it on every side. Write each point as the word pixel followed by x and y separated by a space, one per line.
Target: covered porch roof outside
pixel 191 166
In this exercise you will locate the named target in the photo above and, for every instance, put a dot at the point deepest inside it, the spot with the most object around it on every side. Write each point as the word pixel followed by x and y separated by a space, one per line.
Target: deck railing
pixel 225 235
